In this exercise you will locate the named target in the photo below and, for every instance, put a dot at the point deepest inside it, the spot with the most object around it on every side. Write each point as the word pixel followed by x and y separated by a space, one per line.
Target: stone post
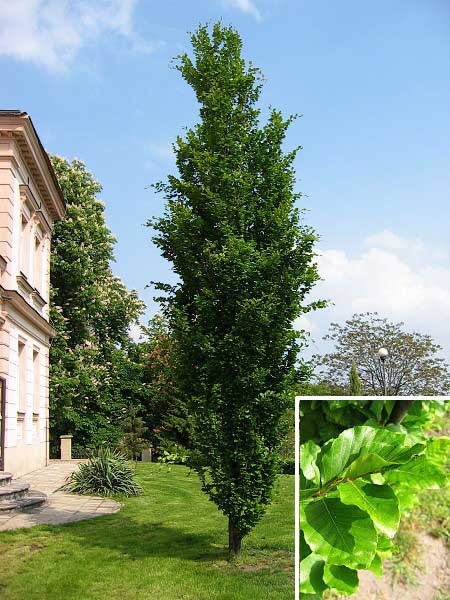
pixel 66 447
pixel 146 455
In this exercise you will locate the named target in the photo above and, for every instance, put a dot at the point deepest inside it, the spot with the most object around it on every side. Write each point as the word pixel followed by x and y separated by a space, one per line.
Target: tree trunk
pixel 401 408
pixel 234 539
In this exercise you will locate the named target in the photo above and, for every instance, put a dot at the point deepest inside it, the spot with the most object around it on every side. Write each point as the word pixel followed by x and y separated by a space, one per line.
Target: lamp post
pixel 382 355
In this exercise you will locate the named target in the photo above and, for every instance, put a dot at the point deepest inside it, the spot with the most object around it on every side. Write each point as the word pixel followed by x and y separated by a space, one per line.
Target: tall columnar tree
pixel 93 381
pixel 355 384
pixel 245 264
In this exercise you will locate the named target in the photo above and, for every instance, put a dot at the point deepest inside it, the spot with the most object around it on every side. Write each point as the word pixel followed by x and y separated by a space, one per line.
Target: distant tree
pixel 93 380
pixel 245 265
pixel 413 366
pixel 355 384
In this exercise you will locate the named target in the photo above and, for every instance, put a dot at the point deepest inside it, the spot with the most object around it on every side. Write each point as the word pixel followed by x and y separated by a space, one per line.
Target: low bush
pixel 172 453
pixel 106 473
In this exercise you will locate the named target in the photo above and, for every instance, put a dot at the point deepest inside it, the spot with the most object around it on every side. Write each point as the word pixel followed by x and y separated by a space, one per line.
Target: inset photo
pixel 373 498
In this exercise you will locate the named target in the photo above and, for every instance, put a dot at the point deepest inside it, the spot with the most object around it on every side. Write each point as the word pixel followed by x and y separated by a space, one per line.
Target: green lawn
pixel 168 544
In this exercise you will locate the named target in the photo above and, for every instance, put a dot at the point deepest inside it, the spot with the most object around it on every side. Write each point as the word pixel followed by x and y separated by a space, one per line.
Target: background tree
pixel 93 380
pixel 412 368
pixel 165 411
pixel 133 439
pixel 244 264
pixel 355 384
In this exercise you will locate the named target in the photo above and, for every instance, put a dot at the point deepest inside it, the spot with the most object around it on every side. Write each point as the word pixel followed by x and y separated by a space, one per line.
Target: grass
pixel 433 512
pixel 168 544
pixel 407 557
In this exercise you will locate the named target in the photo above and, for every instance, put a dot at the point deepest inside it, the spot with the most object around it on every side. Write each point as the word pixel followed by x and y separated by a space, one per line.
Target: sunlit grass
pixel 168 544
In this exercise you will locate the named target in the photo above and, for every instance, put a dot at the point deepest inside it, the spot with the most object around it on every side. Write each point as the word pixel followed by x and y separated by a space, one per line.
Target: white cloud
pixel 303 323
pixel 51 33
pixel 402 279
pixel 135 332
pixel 246 6
pixel 410 248
pixel 161 150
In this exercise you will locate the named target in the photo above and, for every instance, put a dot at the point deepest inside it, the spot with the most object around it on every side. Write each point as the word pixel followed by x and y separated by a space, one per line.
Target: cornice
pixel 36 160
pixel 12 298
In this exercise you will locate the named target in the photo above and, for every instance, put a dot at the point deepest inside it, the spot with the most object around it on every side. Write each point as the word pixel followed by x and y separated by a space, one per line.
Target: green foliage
pixel 245 265
pixel 93 379
pixel 354 490
pixel 165 411
pixel 322 420
pixel 413 366
pixel 174 454
pixel 133 441
pixel 104 474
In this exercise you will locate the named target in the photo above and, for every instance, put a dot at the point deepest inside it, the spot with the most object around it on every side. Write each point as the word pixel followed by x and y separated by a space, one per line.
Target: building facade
pixel 30 202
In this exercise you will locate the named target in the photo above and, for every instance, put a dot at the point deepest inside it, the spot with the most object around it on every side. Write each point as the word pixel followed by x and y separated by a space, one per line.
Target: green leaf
pixel 438 450
pixel 308 454
pixel 376 566
pixel 350 443
pixel 417 473
pixel 343 534
pixel 340 578
pixel 379 501
pixel 365 464
pixel 305 550
pixel 384 546
pixel 307 488
pixel 311 574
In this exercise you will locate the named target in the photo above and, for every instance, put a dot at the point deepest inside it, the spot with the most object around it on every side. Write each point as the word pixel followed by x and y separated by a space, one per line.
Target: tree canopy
pixel 413 366
pixel 92 378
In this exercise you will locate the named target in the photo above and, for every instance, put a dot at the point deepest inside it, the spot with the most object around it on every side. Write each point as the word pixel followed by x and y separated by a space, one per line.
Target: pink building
pixel 30 201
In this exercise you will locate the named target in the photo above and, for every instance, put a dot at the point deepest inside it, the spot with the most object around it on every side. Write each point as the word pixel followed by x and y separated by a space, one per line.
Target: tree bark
pixel 234 539
pixel 401 408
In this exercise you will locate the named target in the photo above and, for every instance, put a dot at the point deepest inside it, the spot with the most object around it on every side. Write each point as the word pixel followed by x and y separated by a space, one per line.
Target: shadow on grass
pixel 133 540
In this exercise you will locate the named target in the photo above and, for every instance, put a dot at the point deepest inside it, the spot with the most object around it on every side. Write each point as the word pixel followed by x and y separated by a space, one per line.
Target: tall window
pixel 25 247
pixel 36 382
pixel 22 380
pixel 38 264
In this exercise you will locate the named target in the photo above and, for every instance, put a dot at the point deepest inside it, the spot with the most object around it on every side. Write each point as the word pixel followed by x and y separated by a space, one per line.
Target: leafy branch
pixel 354 491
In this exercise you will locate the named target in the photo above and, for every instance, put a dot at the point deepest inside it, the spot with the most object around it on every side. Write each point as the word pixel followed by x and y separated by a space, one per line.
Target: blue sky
pixel 372 80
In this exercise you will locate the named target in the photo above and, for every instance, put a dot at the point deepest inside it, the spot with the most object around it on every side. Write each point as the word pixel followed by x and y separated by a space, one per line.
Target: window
pixel 38 264
pixel 36 381
pixel 25 247
pixel 22 380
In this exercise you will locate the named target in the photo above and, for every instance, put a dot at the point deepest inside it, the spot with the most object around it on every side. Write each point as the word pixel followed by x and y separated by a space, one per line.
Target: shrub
pixel 105 474
pixel 173 454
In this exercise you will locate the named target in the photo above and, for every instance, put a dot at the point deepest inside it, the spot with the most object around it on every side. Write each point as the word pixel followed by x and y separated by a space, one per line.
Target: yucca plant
pixel 106 473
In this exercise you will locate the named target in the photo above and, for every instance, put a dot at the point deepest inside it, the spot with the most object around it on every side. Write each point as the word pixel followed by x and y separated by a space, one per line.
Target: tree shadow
pixel 134 540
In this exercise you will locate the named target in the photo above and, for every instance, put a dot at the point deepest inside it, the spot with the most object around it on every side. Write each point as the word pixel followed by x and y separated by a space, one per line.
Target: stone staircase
pixel 15 494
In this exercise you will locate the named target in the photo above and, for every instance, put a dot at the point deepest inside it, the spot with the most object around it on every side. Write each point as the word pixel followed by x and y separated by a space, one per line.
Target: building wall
pixel 26 426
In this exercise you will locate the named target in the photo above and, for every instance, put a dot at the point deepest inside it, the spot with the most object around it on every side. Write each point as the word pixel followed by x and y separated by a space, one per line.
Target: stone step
pixel 31 500
pixel 5 478
pixel 13 491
